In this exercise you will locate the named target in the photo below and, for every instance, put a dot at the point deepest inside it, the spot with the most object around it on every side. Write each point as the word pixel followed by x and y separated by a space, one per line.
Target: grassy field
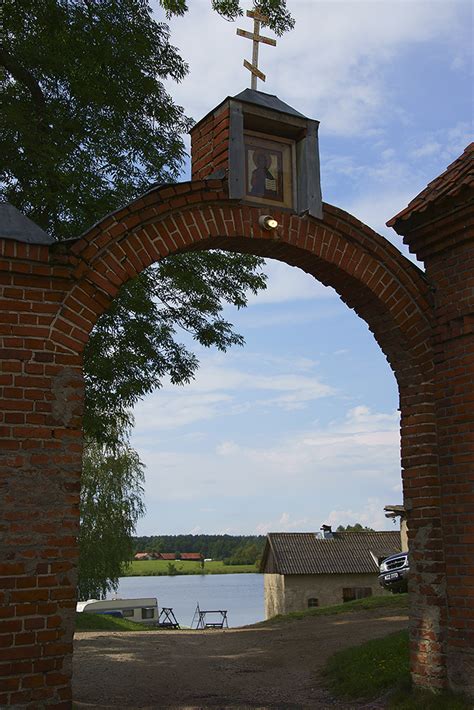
pixel 381 667
pixel 160 568
pixel 397 601
pixel 103 622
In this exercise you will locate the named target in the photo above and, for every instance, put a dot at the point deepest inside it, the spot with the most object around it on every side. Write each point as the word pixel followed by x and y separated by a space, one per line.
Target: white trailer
pixel 143 610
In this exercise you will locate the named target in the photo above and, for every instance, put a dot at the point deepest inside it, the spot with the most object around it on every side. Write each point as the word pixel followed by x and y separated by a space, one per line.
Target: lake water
pixel 240 594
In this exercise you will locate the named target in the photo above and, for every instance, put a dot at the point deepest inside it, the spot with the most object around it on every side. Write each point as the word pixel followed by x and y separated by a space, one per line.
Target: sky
pixel 300 427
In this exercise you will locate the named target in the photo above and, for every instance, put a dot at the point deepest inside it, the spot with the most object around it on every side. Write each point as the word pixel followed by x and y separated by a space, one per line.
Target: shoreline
pixel 160 568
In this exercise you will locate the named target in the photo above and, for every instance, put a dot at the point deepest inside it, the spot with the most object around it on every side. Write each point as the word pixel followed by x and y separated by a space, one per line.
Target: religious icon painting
pixel 268 170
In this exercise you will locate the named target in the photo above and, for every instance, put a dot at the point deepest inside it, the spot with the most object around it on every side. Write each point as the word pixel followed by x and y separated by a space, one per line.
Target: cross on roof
pixel 256 37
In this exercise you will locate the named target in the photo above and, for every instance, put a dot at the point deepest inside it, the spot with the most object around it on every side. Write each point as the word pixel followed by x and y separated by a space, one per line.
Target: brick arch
pixel 55 296
pixel 383 287
pixel 371 275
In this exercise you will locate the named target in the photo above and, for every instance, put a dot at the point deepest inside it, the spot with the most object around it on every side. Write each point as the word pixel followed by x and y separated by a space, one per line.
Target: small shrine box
pixel 267 150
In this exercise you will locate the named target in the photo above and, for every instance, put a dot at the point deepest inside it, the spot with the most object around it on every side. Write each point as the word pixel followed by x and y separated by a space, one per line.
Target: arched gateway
pixel 52 294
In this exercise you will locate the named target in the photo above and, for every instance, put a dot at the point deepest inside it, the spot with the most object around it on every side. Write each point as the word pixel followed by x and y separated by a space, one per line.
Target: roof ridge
pixel 448 184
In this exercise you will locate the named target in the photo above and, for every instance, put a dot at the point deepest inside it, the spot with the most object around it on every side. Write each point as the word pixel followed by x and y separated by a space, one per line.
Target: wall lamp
pixel 267 222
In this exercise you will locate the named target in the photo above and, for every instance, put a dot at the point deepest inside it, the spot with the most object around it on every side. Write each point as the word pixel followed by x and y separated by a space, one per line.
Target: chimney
pixel 325 533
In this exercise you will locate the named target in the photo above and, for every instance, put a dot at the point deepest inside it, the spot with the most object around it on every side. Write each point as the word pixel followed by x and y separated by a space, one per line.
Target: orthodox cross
pixel 256 37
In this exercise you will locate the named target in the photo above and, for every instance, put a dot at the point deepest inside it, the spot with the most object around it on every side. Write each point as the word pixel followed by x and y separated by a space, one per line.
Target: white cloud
pixel 170 409
pixel 371 515
pixel 222 390
pixel 361 450
pixel 286 284
pixel 287 315
pixel 447 144
pixel 428 148
pixel 285 523
pixel 340 49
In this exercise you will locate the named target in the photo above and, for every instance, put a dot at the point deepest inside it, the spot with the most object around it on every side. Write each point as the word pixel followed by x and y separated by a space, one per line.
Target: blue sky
pixel 300 427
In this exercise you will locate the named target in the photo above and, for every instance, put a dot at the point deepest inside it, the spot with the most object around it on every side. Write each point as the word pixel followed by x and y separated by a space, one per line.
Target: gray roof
pixel 344 553
pixel 250 96
pixel 15 225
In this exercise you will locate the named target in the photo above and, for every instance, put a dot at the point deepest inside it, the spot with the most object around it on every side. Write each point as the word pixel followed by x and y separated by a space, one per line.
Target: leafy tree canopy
pixel 354 528
pixel 135 343
pixel 217 547
pixel 87 125
pixel 279 19
pixel 87 122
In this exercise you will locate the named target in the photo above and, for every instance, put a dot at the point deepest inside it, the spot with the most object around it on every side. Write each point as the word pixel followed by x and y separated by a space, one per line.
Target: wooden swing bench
pixel 201 621
pixel 167 619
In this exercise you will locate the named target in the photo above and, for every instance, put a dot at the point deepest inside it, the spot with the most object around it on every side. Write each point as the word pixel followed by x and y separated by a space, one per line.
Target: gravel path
pixel 274 667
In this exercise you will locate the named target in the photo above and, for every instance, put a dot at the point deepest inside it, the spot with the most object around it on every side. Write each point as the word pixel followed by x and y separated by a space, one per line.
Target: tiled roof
pixel 458 175
pixel 168 555
pixel 344 553
pixel 191 556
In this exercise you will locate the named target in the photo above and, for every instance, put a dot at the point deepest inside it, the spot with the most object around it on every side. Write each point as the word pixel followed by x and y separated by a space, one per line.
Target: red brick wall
pixel 51 299
pixel 446 244
pixel 210 144
pixel 40 448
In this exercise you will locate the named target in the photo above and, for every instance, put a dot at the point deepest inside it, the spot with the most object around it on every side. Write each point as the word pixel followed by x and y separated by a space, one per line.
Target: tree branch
pixel 25 77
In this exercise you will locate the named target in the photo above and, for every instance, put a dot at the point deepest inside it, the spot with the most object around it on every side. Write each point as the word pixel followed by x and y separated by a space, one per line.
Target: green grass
pixel 159 568
pixel 103 622
pixel 368 670
pixel 409 699
pixel 381 668
pixel 394 601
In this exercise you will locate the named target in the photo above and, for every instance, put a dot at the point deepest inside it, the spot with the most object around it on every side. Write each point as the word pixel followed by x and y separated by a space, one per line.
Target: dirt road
pixel 273 667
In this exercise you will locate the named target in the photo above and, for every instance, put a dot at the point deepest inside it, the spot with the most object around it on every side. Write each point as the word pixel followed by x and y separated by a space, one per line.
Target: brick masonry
pixel 438 227
pixel 210 144
pixel 51 298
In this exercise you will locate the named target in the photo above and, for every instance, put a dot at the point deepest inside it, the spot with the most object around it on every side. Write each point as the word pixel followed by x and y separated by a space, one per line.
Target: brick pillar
pixel 452 272
pixel 438 226
pixel 40 463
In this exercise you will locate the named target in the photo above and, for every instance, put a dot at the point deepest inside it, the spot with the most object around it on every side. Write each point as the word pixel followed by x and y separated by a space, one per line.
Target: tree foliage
pixel 87 126
pixel 354 528
pixel 216 547
pixel 279 19
pixel 135 343
pixel 111 503
pixel 87 122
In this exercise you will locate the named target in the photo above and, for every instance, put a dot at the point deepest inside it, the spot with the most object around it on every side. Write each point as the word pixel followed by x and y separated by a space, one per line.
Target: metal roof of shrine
pixel 250 96
pixel 256 98
pixel 15 225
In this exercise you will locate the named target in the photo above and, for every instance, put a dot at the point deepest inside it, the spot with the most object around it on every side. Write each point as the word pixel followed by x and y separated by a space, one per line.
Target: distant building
pixel 169 556
pixel 303 570
pixel 140 556
pixel 191 557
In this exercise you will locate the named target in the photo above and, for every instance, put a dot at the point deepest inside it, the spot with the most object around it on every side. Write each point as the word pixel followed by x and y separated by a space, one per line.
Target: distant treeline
pixel 233 549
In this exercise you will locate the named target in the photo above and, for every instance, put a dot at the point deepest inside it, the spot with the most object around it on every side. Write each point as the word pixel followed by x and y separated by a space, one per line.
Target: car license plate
pixel 392 575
